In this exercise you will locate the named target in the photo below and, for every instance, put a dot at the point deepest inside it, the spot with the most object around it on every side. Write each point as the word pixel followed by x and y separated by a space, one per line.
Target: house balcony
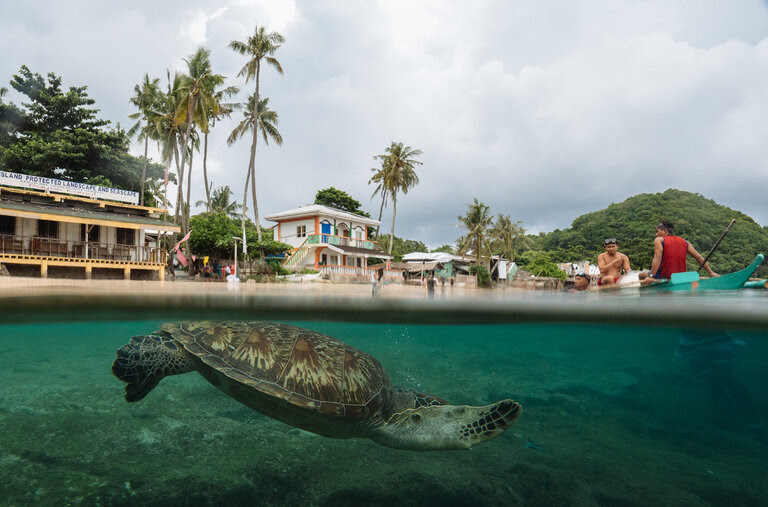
pixel 344 241
pixel 81 255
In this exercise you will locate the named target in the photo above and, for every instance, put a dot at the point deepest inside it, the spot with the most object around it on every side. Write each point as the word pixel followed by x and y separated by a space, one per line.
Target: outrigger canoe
pixel 689 280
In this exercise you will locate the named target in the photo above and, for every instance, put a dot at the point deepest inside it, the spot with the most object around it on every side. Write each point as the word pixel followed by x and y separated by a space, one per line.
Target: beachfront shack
pixel 330 240
pixel 52 228
pixel 443 265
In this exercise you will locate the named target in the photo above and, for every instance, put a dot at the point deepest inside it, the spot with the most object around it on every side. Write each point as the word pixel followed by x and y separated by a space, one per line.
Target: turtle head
pixel 146 360
pixel 443 427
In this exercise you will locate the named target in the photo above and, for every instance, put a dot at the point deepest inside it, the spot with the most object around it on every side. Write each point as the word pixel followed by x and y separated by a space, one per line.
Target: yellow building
pixel 48 234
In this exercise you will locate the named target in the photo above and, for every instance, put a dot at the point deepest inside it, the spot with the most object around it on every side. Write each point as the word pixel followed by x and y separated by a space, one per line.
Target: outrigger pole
pixel 717 244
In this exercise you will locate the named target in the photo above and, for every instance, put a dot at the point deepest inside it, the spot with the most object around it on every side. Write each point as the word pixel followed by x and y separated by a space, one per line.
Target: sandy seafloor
pixel 611 417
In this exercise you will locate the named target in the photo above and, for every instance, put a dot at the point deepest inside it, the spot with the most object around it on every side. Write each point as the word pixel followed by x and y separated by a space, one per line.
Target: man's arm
pixel 625 264
pixel 696 255
pixel 658 249
pixel 603 264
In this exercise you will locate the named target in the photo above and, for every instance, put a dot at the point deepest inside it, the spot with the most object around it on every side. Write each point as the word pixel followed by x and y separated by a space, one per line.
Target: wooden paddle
pixel 717 244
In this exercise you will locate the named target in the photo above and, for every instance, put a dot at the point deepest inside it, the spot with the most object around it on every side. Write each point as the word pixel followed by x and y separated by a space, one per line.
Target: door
pixel 325 229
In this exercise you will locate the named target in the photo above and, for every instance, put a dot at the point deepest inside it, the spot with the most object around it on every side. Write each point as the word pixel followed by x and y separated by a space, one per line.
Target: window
pixel 47 229
pixel 301 231
pixel 8 225
pixel 126 236
pixel 94 233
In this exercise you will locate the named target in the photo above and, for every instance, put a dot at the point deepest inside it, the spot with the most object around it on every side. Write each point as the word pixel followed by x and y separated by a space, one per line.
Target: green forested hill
pixel 633 223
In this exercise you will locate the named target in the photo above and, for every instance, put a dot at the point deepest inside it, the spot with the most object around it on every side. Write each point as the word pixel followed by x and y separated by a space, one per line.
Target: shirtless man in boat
pixel 611 263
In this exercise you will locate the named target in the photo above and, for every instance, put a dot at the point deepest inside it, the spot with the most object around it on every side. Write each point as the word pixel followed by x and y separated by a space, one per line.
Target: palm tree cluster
pixel 262 45
pixel 183 114
pixel 394 175
pixel 484 238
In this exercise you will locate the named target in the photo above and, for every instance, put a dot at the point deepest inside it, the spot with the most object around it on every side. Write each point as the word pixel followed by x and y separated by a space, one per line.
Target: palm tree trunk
pixel 183 141
pixel 188 206
pixel 381 210
pixel 255 119
pixel 144 170
pixel 394 214
pixel 205 173
pixel 245 195
pixel 253 189
pixel 180 175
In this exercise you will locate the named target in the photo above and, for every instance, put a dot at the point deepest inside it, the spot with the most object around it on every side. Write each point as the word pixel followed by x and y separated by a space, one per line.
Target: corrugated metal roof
pixel 89 215
pixel 364 252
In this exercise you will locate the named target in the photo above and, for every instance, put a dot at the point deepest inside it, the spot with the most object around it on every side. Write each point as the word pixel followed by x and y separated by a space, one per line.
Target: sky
pixel 543 110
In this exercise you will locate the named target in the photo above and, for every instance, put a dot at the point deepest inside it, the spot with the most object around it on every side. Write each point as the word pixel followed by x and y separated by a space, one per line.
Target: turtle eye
pixel 416 418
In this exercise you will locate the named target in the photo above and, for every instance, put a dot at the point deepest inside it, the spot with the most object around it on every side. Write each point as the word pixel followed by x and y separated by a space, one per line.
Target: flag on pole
pixel 182 258
pixel 176 246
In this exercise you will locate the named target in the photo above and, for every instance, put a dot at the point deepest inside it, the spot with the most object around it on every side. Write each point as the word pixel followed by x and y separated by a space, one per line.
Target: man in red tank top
pixel 670 251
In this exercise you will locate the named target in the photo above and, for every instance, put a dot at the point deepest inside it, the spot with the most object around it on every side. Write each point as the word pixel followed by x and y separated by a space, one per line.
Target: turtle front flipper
pixel 443 427
pixel 146 360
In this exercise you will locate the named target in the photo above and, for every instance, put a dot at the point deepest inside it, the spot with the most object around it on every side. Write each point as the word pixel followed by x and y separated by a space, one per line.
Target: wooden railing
pixel 297 256
pixel 52 247
pixel 331 239
pixel 332 269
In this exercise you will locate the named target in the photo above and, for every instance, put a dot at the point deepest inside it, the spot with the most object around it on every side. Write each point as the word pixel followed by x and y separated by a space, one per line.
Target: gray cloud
pixel 543 110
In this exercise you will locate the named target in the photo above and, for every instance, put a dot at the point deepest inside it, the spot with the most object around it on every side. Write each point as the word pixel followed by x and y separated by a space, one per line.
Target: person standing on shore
pixel 431 282
pixel 373 284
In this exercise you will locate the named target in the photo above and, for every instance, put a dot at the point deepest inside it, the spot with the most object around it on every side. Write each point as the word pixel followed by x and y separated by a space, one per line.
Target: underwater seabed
pixel 613 415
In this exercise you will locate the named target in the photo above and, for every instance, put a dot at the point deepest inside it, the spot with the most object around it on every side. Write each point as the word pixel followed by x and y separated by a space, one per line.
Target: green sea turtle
pixel 308 380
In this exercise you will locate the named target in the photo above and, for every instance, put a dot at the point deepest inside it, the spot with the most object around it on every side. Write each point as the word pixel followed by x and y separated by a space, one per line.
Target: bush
pixel 483 276
pixel 540 264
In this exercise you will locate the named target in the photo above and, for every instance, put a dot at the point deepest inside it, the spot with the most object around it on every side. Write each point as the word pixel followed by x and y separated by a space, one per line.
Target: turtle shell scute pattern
pixel 303 367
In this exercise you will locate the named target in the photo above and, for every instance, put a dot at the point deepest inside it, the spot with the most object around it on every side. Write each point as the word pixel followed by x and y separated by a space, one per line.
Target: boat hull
pixel 731 281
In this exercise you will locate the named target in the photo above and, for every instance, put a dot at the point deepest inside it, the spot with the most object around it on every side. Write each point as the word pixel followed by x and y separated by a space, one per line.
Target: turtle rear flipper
pixel 146 360
pixel 439 427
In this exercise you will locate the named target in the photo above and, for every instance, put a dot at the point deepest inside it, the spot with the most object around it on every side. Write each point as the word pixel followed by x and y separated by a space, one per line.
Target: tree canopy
pixel 400 247
pixel 57 134
pixel 339 199
pixel 212 235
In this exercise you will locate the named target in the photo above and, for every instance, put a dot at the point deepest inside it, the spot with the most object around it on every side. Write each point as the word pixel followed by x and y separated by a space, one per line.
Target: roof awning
pixel 415 267
pixel 359 252
pixel 83 216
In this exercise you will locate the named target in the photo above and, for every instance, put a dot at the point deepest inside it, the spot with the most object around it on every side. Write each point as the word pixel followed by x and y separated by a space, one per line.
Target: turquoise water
pixel 615 413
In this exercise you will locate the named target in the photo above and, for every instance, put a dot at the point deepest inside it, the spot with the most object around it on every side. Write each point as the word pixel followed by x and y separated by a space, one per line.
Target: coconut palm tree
pixel 266 119
pixel 260 46
pixel 221 202
pixel 168 128
pixel 477 221
pixel 196 90
pixel 508 237
pixel 145 99
pixel 398 175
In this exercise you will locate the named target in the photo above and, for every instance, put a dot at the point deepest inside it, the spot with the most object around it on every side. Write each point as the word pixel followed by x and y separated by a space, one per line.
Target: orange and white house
pixel 329 240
